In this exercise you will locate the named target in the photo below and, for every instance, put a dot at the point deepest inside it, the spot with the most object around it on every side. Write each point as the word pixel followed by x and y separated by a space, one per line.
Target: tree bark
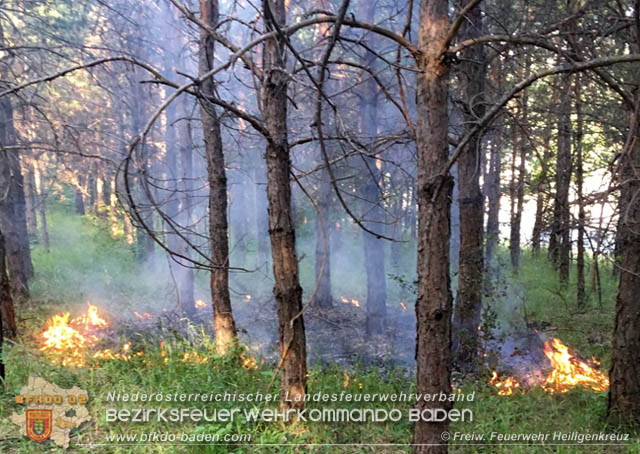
pixel 580 290
pixel 493 192
pixel 41 198
pixel 287 289
pixel 374 250
pixel 560 248
pixel 7 312
pixel 433 307
pixel 323 297
pixel 541 187
pixel 519 152
pixel 218 225
pixel 468 308
pixel 624 391
pixel 12 206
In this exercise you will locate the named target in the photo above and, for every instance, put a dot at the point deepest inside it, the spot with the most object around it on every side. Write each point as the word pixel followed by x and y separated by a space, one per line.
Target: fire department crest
pixel 51 411
pixel 39 424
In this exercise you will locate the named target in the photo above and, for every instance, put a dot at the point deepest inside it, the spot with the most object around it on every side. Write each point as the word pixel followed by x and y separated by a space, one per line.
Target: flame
pixel 506 386
pixel 194 358
pixel 199 304
pixel 144 315
pixel 379 163
pixel 247 297
pixel 62 338
pixel 91 319
pixel 403 306
pixel 567 371
pixel 249 362
pixel 71 338
pixel 346 379
pixel 352 301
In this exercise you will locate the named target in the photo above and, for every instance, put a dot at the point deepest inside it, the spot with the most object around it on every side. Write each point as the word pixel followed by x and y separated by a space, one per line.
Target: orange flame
pixel 506 386
pixel 247 297
pixel 567 371
pixel 91 319
pixel 71 339
pixel 352 301
pixel 199 304
pixel 143 315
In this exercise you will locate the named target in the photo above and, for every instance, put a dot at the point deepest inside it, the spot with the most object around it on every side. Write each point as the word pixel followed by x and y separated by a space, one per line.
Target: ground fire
pixel 566 372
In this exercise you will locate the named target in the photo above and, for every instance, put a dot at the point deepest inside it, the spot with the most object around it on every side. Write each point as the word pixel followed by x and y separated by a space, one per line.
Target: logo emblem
pixel 39 424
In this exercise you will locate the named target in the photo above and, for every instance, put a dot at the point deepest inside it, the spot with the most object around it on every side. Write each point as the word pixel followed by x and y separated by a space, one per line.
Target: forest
pixel 324 226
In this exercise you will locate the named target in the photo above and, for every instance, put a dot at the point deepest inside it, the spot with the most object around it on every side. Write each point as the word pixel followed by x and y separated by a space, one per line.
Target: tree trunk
pixel 580 290
pixel 433 307
pixel 561 248
pixel 12 207
pixel 41 198
pixel 218 227
pixel 79 197
pixel 541 187
pixel 7 313
pixel 31 204
pixel 262 219
pixel 374 249
pixel 468 308
pixel 493 192
pixel 287 290
pixel 624 392
pixel 323 296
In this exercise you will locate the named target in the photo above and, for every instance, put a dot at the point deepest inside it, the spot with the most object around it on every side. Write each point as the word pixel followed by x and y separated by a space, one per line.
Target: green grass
pixel 84 261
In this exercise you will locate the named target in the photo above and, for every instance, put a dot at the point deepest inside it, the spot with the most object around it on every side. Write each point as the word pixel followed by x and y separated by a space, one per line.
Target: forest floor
pixel 85 264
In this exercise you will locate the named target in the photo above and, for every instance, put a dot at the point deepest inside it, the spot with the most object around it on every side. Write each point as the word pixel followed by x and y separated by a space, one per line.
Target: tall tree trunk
pixel 79 196
pixel 624 392
pixel 12 206
pixel 323 297
pixel 374 250
pixel 519 153
pixel 433 307
pixel 541 187
pixel 580 290
pixel 7 313
pixel 287 289
pixel 218 227
pixel 262 219
pixel 493 192
pixel 561 248
pixel 31 203
pixel 42 204
pixel 468 308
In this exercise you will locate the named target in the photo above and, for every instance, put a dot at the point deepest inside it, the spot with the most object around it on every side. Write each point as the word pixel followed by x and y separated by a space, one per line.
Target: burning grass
pixel 566 371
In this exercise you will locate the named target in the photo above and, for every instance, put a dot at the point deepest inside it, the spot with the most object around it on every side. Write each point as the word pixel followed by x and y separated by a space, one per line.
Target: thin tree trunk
pixel 323 297
pixel 287 290
pixel 580 291
pixel 42 204
pixel 541 187
pixel 79 196
pixel 374 250
pixel 218 227
pixel 468 308
pixel 31 203
pixel 262 219
pixel 561 229
pixel 433 307
pixel 493 192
